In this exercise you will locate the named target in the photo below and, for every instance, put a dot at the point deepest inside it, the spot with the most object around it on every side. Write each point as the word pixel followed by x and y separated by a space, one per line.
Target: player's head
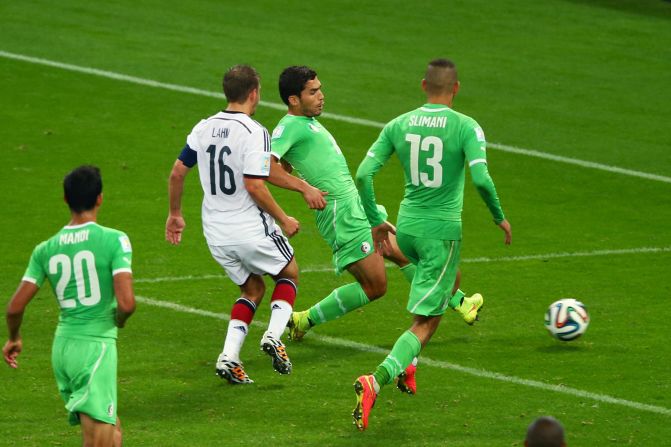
pixel 545 431
pixel 242 84
pixel 83 188
pixel 441 78
pixel 300 89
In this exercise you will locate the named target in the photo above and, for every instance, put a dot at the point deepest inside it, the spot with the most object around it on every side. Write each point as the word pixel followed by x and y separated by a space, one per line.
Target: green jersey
pixel 314 153
pixel 80 262
pixel 432 143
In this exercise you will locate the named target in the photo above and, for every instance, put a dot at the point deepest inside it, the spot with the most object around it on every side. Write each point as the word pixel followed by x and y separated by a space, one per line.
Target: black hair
pixel 82 186
pixel 293 80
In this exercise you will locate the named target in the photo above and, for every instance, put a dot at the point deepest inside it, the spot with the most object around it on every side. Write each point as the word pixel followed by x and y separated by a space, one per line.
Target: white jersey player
pixel 242 222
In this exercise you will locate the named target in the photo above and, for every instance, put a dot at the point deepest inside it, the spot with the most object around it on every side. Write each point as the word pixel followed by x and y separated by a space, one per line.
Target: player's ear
pixel 99 200
pixel 455 89
pixel 424 84
pixel 294 101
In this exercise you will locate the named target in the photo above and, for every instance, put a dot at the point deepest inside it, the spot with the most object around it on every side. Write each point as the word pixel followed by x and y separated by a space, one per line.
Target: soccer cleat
pixel 470 307
pixel 298 325
pixel 232 371
pixel 406 380
pixel 276 350
pixel 365 400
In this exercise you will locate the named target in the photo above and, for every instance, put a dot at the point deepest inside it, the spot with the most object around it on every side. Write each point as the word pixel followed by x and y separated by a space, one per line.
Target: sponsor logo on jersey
pixel 479 133
pixel 125 244
pixel 313 127
pixel 110 410
pixel 365 247
pixel 265 169
pixel 278 131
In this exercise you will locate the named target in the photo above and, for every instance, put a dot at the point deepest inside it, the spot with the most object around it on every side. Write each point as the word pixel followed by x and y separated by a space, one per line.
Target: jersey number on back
pixel 66 266
pixel 226 174
pixel 426 144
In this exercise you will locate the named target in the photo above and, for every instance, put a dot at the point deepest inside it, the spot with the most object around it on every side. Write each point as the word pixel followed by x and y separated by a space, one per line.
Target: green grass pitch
pixel 584 80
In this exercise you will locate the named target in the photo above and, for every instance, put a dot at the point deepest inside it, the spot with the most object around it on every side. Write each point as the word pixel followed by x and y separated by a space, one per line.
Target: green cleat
pixel 470 307
pixel 298 325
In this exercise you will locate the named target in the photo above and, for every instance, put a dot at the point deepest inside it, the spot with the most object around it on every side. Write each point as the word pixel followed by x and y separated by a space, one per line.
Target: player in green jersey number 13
pixel 88 266
pixel 432 144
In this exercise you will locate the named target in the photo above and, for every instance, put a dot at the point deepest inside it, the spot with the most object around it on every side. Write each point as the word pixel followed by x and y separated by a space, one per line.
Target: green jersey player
pixel 89 268
pixel 432 143
pixel 300 141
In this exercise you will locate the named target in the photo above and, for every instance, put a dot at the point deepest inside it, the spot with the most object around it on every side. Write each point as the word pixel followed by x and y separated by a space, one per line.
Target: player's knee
pixel 375 290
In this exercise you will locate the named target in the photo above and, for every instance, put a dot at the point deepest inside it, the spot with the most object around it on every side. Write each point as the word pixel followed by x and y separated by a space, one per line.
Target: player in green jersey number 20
pixel 88 265
pixel 432 143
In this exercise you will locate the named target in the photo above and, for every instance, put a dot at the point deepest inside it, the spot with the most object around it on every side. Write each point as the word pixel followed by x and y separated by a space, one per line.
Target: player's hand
pixel 290 226
pixel 314 197
pixel 505 226
pixel 174 227
pixel 11 351
pixel 381 237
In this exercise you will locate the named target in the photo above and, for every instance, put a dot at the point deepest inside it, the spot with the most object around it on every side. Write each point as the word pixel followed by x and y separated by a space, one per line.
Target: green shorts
pixel 344 226
pixel 437 265
pixel 85 371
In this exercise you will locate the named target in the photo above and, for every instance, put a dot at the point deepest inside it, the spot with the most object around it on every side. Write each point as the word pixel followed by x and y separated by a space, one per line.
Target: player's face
pixel 312 98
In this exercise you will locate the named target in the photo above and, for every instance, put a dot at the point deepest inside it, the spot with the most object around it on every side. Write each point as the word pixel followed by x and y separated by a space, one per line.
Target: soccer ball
pixel 566 319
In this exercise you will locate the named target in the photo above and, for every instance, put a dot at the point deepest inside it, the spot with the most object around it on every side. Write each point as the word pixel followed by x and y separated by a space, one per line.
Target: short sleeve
pixel 475 145
pixel 35 272
pixel 122 258
pixel 282 140
pixel 257 154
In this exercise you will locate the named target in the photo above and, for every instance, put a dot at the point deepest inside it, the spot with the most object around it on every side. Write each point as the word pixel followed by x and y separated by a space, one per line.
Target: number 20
pixel 66 267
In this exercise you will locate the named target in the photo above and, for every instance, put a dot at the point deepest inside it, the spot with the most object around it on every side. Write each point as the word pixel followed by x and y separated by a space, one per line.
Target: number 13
pixel 417 144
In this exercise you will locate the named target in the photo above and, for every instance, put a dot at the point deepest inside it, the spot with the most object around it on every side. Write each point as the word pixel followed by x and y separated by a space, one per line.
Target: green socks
pixel 455 301
pixel 405 349
pixel 341 301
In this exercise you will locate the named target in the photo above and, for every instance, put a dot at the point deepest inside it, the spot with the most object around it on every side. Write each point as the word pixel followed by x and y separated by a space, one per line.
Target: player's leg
pixel 229 366
pixel 281 306
pixel 467 307
pixel 436 273
pixel 252 288
pixel 118 433
pixel 348 233
pixel 371 284
pixel 96 433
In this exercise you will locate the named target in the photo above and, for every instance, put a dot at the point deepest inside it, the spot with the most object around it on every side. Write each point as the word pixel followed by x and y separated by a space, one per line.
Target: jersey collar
pixel 73 227
pixel 434 107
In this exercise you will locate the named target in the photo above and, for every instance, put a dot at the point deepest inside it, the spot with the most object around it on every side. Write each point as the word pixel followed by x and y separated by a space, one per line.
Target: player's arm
pixel 256 187
pixel 174 225
pixel 125 297
pixel 17 305
pixel 375 158
pixel 475 149
pixel 257 163
pixel 280 176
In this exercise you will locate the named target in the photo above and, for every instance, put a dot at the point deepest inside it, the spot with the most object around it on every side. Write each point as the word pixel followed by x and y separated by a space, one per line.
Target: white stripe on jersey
pixel 476 161
pixel 230 146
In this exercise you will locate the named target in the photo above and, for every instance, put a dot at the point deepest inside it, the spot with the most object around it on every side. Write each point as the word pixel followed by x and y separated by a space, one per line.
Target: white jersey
pixel 230 146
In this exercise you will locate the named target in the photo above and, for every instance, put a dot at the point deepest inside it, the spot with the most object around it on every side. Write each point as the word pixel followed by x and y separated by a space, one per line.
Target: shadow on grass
pixel 651 8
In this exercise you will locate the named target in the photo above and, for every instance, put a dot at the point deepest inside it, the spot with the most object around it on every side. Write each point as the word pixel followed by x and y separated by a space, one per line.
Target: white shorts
pixel 264 256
